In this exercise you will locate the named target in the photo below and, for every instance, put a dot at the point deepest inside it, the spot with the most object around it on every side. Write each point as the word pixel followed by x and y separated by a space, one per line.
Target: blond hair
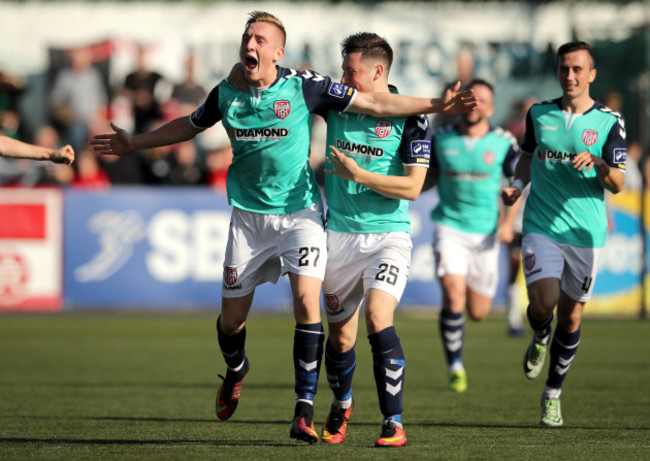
pixel 263 16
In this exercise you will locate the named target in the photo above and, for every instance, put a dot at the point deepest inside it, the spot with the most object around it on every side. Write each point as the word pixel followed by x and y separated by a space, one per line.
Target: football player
pixel 277 219
pixel 375 167
pixel 573 150
pixel 469 161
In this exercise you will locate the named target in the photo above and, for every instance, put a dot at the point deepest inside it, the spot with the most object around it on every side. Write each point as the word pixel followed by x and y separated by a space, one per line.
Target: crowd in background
pixel 79 105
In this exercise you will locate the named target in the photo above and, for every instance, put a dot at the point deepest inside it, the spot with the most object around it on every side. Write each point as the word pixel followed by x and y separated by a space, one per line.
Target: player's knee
pixel 306 308
pixel 378 321
pixel 542 301
pixel 307 301
pixel 477 315
pixel 341 343
pixel 230 325
pixel 569 321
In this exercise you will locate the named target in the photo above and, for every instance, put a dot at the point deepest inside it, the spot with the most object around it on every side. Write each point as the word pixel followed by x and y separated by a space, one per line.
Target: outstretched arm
pixel 406 187
pixel 395 105
pixel 121 143
pixel 13 148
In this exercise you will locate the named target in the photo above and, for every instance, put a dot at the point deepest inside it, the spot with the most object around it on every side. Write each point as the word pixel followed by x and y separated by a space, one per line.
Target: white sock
pixel 513 313
pixel 552 393
pixel 455 367
pixel 342 404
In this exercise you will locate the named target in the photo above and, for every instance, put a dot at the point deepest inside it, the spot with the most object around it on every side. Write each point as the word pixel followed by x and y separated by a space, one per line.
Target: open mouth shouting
pixel 250 63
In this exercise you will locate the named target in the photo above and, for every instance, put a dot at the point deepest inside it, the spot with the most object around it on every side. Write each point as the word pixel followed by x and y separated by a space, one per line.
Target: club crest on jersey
pixel 529 262
pixel 282 108
pixel 383 129
pixel 590 137
pixel 229 275
pixel 332 304
pixel 488 157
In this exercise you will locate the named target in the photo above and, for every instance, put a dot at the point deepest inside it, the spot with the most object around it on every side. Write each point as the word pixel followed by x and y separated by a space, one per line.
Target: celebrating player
pixel 376 166
pixel 277 223
pixel 13 148
pixel 470 160
pixel 574 148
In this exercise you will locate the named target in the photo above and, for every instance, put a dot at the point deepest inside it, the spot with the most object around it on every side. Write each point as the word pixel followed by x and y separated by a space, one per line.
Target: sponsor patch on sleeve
pixel 337 89
pixel 421 149
pixel 620 155
pixel 198 112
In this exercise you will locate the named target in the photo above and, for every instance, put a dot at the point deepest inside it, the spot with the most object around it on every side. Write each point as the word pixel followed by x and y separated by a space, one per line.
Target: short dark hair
pixel 370 46
pixel 480 81
pixel 570 47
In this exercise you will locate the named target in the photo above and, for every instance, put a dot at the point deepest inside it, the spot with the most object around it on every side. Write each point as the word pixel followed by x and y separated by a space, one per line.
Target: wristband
pixel 518 183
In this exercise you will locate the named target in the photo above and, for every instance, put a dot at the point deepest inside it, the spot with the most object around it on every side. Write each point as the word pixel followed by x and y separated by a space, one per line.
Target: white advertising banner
pixel 31 243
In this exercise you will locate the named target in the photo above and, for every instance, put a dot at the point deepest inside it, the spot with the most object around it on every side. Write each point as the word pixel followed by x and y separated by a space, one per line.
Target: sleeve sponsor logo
pixel 421 149
pixel 198 112
pixel 620 155
pixel 337 90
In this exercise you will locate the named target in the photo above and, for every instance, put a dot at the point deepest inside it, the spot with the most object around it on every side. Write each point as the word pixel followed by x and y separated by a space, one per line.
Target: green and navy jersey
pixel 565 204
pixel 469 177
pixel 384 146
pixel 270 134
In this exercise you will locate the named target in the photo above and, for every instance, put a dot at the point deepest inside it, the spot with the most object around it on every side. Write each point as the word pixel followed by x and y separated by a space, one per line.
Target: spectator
pixel 77 98
pixel 11 87
pixel 140 87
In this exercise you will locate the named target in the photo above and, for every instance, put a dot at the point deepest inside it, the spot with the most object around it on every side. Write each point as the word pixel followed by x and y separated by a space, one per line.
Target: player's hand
pixel 509 195
pixel 584 161
pixel 343 166
pixel 236 78
pixel 118 143
pixel 458 102
pixel 63 155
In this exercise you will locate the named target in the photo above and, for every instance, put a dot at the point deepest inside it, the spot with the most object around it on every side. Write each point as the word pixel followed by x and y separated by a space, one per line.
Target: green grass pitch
pixel 142 386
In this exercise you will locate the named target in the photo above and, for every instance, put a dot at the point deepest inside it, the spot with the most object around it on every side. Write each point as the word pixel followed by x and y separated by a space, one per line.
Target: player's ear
pixel 279 54
pixel 592 75
pixel 378 71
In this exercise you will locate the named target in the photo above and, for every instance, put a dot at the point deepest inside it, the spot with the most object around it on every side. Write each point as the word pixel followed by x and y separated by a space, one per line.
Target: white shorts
pixel 476 256
pixel 575 267
pixel 263 247
pixel 359 262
